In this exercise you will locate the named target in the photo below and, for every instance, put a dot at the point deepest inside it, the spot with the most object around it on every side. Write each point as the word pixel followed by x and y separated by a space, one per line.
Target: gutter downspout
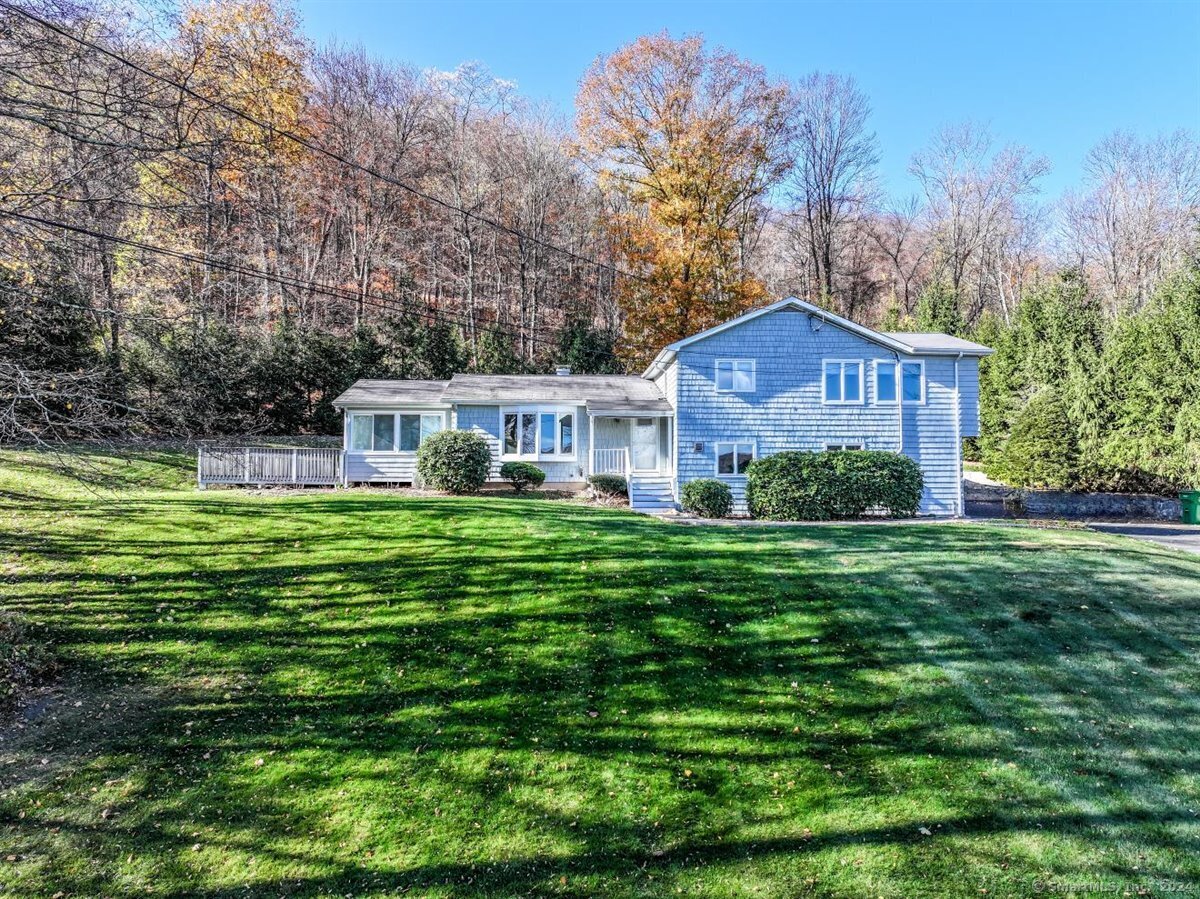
pixel 899 403
pixel 958 452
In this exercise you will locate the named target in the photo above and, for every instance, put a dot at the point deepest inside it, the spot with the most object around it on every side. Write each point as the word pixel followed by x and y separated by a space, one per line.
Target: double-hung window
pixel 538 433
pixel 735 375
pixel 911 386
pixel 733 458
pixel 387 432
pixel 843 381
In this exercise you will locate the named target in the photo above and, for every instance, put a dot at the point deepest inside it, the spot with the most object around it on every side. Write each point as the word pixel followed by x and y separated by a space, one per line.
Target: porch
pixel 635 444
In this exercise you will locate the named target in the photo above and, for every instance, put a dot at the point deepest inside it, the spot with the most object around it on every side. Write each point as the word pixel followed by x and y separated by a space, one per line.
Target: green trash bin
pixel 1189 503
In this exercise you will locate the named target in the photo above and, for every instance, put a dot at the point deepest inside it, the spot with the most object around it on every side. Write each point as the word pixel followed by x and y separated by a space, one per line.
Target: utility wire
pixel 375 301
pixel 317 148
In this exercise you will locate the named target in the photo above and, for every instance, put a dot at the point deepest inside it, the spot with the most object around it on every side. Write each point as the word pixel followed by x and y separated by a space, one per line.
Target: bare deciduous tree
pixel 833 180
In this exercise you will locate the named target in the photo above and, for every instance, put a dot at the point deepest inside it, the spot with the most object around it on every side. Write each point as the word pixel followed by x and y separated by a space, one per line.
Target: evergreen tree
pixel 938 309
pixel 588 350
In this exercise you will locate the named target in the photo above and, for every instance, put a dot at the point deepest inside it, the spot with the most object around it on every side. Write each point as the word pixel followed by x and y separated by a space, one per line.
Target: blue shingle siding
pixel 485 420
pixel 785 411
pixel 968 384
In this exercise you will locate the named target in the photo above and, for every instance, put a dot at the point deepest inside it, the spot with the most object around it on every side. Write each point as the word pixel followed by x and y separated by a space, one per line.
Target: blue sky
pixel 1055 77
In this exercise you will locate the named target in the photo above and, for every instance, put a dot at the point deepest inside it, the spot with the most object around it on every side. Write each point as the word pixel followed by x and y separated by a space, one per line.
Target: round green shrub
pixel 836 485
pixel 609 484
pixel 454 461
pixel 522 475
pixel 1042 449
pixel 707 498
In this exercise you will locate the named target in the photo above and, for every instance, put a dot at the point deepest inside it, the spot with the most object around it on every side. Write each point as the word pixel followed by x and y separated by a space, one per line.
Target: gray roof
pixel 933 342
pixel 495 389
pixel 367 393
pixel 629 407
pixel 628 393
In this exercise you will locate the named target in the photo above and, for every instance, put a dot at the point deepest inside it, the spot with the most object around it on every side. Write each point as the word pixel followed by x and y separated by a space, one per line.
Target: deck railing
pixel 262 465
pixel 611 461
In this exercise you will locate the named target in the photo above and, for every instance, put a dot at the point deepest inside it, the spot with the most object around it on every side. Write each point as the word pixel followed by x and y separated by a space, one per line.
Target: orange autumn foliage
pixel 687 142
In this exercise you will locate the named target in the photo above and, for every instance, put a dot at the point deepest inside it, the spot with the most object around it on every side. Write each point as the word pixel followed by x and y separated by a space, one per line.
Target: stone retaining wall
pixel 1060 504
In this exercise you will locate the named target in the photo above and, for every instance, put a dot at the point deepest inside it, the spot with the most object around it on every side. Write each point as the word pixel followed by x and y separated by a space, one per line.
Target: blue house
pixel 788 376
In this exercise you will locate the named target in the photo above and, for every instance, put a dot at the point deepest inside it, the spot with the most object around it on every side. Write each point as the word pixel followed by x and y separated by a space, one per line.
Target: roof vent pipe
pixel 562 371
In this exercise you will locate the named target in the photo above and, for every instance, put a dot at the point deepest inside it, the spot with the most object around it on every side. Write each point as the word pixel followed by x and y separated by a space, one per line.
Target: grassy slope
pixel 356 693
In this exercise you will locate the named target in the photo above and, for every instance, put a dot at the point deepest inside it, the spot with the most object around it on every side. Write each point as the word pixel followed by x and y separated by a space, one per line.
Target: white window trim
pixel 896 365
pixel 537 455
pixel 900 381
pixel 735 444
pixel 351 414
pixel 843 445
pixel 735 362
pixel 862 386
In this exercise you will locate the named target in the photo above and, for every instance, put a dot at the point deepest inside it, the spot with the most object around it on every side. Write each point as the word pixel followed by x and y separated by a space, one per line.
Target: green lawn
pixel 359 693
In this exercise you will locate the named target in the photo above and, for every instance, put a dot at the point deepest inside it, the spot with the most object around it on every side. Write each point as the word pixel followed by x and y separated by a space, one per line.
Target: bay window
pixel 537 433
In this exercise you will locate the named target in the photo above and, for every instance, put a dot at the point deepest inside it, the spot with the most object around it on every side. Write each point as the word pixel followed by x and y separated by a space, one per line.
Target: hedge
pixel 707 498
pixel 522 475
pixel 454 461
pixel 609 484
pixel 835 485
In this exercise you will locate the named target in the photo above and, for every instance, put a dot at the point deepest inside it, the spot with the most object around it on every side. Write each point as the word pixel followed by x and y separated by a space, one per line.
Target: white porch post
pixel 591 446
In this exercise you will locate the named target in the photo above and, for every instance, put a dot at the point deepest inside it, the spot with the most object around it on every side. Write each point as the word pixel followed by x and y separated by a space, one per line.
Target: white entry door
pixel 644 444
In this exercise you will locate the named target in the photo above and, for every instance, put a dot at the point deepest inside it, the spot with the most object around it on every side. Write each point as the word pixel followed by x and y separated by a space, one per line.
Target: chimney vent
pixel 562 371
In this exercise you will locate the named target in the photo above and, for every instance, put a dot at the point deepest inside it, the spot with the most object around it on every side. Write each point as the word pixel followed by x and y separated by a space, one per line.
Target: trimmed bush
pixel 522 475
pixel 454 461
pixel 707 498
pixel 835 485
pixel 1042 450
pixel 609 484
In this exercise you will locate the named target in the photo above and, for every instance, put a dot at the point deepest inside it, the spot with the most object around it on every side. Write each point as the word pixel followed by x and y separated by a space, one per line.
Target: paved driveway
pixel 1176 536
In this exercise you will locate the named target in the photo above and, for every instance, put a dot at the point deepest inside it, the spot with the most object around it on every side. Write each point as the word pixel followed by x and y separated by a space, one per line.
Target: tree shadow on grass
pixel 443 661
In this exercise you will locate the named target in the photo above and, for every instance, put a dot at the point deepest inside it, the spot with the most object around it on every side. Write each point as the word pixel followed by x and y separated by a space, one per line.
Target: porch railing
pixel 611 461
pixel 262 465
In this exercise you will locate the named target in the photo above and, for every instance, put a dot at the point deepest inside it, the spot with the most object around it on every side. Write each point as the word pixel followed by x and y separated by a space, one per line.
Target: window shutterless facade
pixel 389 432
pixel 911 377
pixel 732 459
pixel 735 375
pixel 537 432
pixel 912 382
pixel 842 381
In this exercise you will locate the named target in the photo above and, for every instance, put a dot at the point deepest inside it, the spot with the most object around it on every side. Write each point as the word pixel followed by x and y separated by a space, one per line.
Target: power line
pixel 375 301
pixel 317 148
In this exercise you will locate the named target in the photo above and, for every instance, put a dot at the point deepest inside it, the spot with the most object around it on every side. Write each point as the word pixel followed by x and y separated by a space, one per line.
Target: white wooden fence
pixel 610 461
pixel 262 465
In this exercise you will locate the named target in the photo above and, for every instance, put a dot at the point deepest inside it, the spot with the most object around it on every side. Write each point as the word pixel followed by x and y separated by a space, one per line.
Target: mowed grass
pixel 357 693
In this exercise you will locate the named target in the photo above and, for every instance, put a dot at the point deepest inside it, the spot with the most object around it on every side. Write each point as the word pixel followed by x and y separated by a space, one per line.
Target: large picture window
pixel 538 433
pixel 387 432
pixel 842 381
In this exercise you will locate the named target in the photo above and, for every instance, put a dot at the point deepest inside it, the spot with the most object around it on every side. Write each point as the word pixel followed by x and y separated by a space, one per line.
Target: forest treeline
pixel 213 226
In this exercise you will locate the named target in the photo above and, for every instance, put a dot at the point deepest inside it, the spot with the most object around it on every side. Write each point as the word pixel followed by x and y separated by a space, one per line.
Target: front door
pixel 644 444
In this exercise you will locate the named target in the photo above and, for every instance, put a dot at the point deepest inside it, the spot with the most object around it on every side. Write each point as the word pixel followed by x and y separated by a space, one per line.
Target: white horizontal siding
pixel 373 467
